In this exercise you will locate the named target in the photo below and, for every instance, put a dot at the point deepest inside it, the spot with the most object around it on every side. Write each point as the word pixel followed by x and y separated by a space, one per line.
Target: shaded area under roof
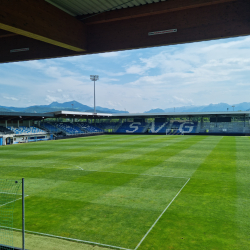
pixel 24 116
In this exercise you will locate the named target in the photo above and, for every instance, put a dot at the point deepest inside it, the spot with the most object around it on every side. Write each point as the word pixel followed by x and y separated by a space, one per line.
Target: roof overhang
pixel 37 29
pixel 24 116
pixel 88 115
pixel 80 114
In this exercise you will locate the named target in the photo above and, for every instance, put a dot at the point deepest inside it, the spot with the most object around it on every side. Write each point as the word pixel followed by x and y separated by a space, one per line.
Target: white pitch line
pixel 8 193
pixel 70 239
pixel 160 216
pixel 12 201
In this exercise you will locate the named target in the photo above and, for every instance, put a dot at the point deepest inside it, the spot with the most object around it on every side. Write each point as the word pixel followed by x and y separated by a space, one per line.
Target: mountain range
pixel 56 106
pixel 244 106
pixel 77 106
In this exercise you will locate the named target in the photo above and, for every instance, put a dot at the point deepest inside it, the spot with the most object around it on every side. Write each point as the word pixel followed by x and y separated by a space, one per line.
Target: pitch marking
pixel 8 193
pixel 70 239
pixel 12 201
pixel 160 216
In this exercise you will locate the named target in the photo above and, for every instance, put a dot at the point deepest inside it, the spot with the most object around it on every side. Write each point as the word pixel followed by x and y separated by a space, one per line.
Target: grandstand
pixel 4 130
pixel 225 127
pixel 185 127
pixel 133 127
pixel 26 130
pixel 159 127
pixel 69 128
pixel 89 128
pixel 108 127
pixel 36 127
pixel 49 127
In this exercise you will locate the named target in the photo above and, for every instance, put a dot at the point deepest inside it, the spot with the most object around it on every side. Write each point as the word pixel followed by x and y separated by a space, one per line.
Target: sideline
pixel 65 238
pixel 160 216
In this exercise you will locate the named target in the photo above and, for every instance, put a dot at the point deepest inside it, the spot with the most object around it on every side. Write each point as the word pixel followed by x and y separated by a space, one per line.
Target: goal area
pixel 174 132
pixel 9 194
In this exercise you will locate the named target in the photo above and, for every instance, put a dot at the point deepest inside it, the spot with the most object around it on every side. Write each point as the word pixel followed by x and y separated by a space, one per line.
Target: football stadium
pixel 143 181
pixel 125 181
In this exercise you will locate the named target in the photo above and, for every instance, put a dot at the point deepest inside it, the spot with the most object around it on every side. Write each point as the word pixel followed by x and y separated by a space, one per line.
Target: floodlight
pixel 94 78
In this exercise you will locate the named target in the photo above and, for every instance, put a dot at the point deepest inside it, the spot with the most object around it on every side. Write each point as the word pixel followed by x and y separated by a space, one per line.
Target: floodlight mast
pixel 94 78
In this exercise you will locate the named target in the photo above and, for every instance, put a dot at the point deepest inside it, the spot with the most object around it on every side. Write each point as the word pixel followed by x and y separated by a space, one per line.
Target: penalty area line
pixel 160 216
pixel 12 201
pixel 69 239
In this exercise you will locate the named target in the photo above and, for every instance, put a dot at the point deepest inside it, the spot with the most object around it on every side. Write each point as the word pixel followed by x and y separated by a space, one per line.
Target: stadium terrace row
pixel 44 131
pixel 65 127
pixel 175 127
pixel 136 127
pixel 68 128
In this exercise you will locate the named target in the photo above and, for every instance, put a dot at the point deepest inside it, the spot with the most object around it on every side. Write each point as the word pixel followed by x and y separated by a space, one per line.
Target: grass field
pixel 165 192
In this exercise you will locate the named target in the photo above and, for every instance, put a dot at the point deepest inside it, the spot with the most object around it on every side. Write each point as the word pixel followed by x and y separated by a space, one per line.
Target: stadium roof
pixel 24 116
pixel 57 28
pixel 88 115
pixel 80 114
pixel 85 7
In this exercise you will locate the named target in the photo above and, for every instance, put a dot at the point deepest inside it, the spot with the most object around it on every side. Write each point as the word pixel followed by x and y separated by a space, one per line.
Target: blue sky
pixel 136 80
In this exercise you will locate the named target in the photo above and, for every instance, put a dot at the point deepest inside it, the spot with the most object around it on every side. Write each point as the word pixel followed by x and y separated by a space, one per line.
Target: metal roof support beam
pixel 44 22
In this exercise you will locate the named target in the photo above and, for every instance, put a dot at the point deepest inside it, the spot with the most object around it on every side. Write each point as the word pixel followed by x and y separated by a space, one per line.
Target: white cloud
pixel 10 98
pixel 50 98
pixel 135 69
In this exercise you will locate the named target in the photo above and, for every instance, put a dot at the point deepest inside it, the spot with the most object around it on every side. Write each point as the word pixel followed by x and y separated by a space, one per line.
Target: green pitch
pixel 114 189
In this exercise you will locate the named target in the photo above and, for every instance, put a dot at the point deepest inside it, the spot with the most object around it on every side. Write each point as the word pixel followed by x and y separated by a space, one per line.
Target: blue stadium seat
pixel 50 127
pixel 27 130
pixel 184 127
pixel 89 127
pixel 158 127
pixel 132 127
pixel 104 126
pixel 69 128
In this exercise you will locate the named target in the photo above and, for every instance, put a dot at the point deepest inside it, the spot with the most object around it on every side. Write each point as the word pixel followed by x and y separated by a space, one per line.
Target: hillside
pixel 244 106
pixel 56 106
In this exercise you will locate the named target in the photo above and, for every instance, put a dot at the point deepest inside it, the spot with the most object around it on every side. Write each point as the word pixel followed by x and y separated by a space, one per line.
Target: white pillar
pixel 18 123
pixel 6 123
